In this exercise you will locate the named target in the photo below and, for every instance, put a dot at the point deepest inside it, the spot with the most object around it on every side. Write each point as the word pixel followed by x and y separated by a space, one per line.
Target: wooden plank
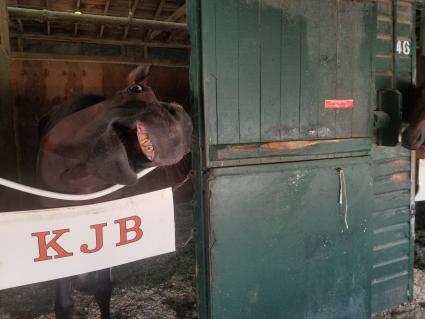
pixel 130 18
pixel 309 70
pixel 291 76
pixel 49 15
pixel 227 71
pixel 95 59
pixel 209 69
pixel 271 26
pixel 105 12
pixel 155 16
pixel 327 68
pixel 363 85
pixel 174 17
pixel 345 65
pixel 4 27
pixel 289 148
pixel 249 72
pixel 83 39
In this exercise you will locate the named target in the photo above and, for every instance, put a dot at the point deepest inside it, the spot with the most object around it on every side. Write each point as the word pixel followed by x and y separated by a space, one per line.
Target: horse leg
pixel 64 305
pixel 104 292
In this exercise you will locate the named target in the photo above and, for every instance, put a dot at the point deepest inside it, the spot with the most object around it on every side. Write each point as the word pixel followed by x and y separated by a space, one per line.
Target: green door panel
pixel 269 66
pixel 279 242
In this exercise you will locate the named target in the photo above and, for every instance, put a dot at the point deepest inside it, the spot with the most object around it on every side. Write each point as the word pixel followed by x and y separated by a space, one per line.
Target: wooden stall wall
pixel 38 85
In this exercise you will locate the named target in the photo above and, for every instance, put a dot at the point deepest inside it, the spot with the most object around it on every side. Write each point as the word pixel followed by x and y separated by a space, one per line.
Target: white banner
pixel 47 244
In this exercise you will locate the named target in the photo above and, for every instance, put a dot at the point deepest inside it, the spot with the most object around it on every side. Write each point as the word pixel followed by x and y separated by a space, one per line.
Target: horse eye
pixel 135 88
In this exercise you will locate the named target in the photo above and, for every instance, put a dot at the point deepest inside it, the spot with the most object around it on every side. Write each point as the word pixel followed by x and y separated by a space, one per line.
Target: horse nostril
pixel 135 88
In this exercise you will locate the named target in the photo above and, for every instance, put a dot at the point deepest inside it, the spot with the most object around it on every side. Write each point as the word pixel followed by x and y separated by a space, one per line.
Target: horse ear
pixel 139 75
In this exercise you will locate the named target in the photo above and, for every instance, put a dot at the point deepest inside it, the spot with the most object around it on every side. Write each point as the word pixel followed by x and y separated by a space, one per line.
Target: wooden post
pixel 8 161
pixel 4 27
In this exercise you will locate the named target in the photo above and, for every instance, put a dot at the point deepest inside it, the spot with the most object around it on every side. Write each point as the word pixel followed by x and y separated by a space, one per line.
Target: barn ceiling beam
pixel 155 16
pixel 20 25
pixel 48 15
pixel 174 17
pixel 80 39
pixel 77 9
pixel 130 18
pixel 105 13
pixel 4 27
pixel 96 59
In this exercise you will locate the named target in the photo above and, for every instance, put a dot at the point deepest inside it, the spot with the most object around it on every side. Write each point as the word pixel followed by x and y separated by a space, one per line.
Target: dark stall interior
pixel 55 58
pixel 51 50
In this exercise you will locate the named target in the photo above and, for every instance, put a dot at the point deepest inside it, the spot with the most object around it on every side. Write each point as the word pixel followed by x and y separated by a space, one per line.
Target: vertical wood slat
pixel 270 27
pixel 304 53
pixel 249 72
pixel 327 68
pixel 209 70
pixel 291 76
pixel 227 52
pixel 309 77
pixel 345 66
pixel 363 69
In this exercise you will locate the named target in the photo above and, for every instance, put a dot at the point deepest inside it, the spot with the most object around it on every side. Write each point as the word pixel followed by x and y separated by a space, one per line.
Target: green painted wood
pixel 269 66
pixel 309 69
pixel 226 47
pixel 364 67
pixel 327 68
pixel 197 110
pixel 298 148
pixel 292 32
pixel 270 35
pixel 279 247
pixel 249 71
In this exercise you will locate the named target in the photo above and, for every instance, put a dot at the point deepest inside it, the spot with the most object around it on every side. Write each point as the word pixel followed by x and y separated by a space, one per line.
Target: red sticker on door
pixel 339 104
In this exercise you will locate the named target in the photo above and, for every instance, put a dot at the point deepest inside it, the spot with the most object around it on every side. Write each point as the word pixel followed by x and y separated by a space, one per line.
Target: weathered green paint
pixel 392 281
pixel 261 151
pixel 266 67
pixel 279 244
pixel 193 20
pixel 269 66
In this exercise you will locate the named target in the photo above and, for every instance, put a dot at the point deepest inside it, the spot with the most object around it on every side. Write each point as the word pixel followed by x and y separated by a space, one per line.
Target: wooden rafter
pixel 48 22
pixel 155 16
pixel 105 13
pixel 130 18
pixel 77 9
pixel 4 27
pixel 92 18
pixel 80 39
pixel 174 17
pixel 95 59
pixel 20 25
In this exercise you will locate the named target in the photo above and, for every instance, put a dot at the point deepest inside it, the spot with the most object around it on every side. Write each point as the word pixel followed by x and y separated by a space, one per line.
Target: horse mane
pixel 58 112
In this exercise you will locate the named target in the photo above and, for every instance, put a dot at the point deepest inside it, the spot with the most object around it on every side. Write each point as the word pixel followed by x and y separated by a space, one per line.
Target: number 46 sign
pixel 403 47
pixel 48 244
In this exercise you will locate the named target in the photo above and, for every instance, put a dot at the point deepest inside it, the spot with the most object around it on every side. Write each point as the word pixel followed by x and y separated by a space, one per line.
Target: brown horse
pixel 89 143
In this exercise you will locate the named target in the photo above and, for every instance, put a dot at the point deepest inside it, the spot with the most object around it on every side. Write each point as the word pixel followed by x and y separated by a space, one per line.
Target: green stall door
pixel 269 66
pixel 291 240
